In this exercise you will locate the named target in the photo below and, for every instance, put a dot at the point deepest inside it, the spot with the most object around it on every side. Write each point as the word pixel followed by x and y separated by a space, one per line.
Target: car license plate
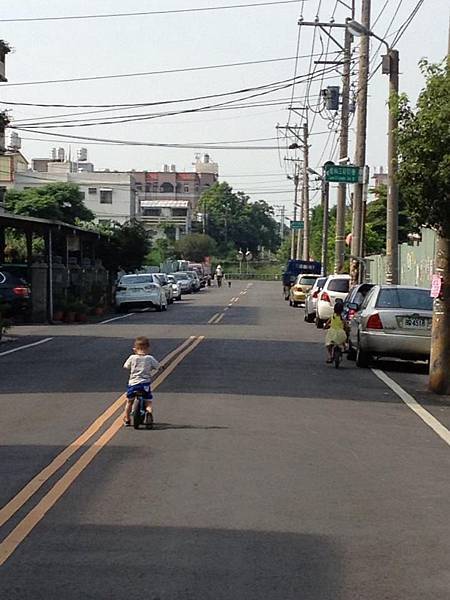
pixel 415 323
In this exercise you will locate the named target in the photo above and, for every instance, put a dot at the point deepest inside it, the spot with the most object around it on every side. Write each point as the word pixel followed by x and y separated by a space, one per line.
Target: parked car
pixel 15 294
pixel 186 283
pixel 301 288
pixel 336 286
pixel 142 289
pixel 393 321
pixel 311 299
pixel 196 285
pixel 297 267
pixel 166 286
pixel 176 286
pixel 355 297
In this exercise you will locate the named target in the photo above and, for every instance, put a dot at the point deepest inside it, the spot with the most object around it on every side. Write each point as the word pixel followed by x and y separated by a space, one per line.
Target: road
pixel 270 475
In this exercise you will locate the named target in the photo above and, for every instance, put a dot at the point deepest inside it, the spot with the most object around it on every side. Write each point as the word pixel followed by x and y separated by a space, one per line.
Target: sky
pixel 62 49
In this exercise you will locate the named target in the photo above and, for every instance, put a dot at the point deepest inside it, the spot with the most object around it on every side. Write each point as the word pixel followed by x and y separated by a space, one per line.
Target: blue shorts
pixel 142 389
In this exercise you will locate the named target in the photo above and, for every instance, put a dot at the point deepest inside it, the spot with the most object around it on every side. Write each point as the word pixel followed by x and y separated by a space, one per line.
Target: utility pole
pixel 392 59
pixel 296 181
pixel 360 151
pixel 343 153
pixel 299 252
pixel 325 208
pixel 305 203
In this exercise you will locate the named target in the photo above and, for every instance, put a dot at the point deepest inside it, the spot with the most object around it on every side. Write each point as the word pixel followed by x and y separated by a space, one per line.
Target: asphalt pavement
pixel 270 475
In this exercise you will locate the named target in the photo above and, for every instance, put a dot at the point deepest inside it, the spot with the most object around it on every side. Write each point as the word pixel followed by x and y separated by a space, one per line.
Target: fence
pixel 416 263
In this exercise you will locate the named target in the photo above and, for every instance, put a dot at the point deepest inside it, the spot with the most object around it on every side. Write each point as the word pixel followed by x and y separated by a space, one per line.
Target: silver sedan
pixel 393 321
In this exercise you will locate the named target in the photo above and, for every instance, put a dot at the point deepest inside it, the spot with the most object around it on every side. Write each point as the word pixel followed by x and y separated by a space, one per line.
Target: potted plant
pixel 69 312
pixel 58 311
pixel 81 312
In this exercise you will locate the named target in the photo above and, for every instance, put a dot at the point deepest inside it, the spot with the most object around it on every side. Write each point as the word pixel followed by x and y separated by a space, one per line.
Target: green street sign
pixel 342 173
pixel 297 225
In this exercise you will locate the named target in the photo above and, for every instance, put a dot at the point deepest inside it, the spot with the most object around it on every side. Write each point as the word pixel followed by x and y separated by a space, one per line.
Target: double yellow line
pixel 26 525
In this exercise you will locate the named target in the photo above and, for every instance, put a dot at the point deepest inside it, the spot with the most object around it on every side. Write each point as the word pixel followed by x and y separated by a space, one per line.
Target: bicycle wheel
pixel 337 354
pixel 136 413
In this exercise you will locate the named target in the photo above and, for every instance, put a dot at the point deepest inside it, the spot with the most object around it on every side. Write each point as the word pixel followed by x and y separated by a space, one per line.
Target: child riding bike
pixel 141 365
pixel 338 331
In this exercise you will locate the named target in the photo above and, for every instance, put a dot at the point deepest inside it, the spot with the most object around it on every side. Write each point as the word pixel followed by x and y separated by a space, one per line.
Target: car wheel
pixel 121 308
pixel 309 318
pixel 362 358
pixel 295 304
pixel 290 302
pixel 319 323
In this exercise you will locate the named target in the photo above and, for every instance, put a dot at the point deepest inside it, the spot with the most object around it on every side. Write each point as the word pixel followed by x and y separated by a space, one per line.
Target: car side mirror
pixel 353 306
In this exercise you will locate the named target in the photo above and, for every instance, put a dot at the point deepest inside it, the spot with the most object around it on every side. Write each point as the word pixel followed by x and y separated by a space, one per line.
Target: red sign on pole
pixel 436 285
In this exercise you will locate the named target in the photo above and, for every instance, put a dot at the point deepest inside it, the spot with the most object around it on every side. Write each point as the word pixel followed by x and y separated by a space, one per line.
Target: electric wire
pixel 146 13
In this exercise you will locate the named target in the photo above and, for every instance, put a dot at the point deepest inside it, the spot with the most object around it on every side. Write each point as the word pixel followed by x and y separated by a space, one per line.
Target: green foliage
pixel 376 221
pixel 124 246
pixel 234 222
pixel 424 145
pixel 195 247
pixel 162 250
pixel 58 201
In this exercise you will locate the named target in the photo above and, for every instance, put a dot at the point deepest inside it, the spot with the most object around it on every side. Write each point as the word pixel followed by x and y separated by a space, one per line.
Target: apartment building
pixel 172 197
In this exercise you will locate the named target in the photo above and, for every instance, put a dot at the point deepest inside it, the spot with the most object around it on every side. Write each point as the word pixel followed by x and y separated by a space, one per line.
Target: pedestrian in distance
pixel 337 330
pixel 141 365
pixel 219 275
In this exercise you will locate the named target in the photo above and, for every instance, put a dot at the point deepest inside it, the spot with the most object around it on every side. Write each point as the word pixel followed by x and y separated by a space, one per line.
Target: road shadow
pixel 400 366
pixel 165 426
pixel 172 563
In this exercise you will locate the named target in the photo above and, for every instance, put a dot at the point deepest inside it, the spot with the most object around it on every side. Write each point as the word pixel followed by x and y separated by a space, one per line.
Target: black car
pixel 355 297
pixel 15 295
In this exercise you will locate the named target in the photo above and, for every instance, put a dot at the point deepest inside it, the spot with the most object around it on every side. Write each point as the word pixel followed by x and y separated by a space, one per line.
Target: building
pixel 380 178
pixel 48 165
pixel 170 197
pixel 109 195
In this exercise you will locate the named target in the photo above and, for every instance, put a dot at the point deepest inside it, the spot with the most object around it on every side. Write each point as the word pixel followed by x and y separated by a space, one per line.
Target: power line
pixel 146 73
pixel 146 13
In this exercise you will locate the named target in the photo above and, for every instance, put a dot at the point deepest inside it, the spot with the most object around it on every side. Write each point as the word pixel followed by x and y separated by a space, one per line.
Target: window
pixel 83 195
pixel 92 190
pixel 138 186
pixel 305 280
pixel 166 188
pixel 105 196
pixel 179 212
pixel 104 222
pixel 339 285
pixel 409 299
pixel 186 189
pixel 151 212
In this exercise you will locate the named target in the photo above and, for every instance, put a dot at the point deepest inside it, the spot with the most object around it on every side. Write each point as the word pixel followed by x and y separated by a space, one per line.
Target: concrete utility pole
pixel 343 153
pixel 296 181
pixel 360 151
pixel 392 275
pixel 325 208
pixel 439 380
pixel 305 203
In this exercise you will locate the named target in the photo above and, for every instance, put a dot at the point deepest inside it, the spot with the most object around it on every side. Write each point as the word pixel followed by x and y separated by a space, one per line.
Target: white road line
pixel 219 318
pixel 412 403
pixel 26 346
pixel 115 319
pixel 213 318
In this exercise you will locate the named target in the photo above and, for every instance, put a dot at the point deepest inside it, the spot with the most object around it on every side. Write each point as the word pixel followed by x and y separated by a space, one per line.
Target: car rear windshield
pixel 410 299
pixel 307 280
pixel 133 279
pixel 180 276
pixel 338 285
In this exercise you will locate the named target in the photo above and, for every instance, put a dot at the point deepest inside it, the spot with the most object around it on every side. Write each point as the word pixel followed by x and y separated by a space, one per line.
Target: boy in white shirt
pixel 141 364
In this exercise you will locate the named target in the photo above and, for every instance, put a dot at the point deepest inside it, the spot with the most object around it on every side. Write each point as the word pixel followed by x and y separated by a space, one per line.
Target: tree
pixel 376 221
pixel 424 177
pixel 124 246
pixel 58 201
pixel 234 222
pixel 196 247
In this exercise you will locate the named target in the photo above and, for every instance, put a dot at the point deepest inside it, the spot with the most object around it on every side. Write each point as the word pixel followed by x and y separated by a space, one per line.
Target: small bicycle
pixel 336 355
pixel 139 415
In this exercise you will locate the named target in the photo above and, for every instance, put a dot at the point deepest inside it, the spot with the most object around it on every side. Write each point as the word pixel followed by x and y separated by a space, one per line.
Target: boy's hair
pixel 142 343
pixel 339 308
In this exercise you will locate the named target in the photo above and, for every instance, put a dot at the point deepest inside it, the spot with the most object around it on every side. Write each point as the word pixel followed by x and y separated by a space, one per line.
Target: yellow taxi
pixel 301 288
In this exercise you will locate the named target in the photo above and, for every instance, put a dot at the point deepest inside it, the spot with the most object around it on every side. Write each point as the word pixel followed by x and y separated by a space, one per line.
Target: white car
pixel 335 287
pixel 176 287
pixel 141 289
pixel 311 300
